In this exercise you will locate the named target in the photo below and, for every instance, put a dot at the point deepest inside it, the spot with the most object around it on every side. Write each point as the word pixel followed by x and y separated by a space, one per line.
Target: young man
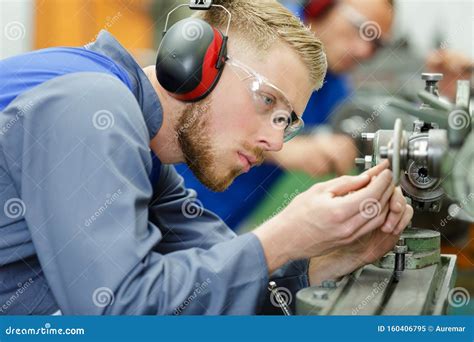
pixel 351 31
pixel 94 224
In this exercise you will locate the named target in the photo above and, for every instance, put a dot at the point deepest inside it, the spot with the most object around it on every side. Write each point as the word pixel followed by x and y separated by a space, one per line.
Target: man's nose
pixel 271 137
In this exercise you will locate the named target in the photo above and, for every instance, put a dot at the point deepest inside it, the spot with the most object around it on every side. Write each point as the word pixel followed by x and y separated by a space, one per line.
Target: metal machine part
pixel 400 250
pixel 428 162
pixel 407 153
pixel 422 277
pixel 370 291
pixel 432 80
pixel 421 249
pixel 433 159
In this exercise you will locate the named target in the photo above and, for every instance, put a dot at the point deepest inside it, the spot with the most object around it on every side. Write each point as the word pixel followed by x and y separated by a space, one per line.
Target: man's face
pixel 223 136
pixel 346 44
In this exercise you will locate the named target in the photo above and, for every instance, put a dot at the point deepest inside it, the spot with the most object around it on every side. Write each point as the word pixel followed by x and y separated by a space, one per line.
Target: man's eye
pixel 267 100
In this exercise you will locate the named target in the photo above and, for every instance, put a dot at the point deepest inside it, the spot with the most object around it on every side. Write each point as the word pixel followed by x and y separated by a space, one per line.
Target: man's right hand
pixel 329 215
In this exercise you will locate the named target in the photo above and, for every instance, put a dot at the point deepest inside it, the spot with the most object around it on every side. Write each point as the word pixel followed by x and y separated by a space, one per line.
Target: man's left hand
pixel 367 248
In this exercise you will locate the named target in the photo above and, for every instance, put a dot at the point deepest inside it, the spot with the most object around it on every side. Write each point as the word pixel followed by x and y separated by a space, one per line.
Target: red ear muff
pixel 191 59
pixel 317 8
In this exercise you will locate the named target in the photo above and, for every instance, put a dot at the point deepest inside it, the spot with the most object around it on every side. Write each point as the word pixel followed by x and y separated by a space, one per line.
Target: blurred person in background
pixel 446 48
pixel 351 31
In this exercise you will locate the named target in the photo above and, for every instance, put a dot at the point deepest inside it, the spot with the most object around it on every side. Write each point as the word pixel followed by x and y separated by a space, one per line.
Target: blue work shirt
pixel 236 203
pixel 88 225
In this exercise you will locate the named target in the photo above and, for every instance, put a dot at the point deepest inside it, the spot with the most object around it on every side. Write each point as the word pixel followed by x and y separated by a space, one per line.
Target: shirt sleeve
pixel 79 156
pixel 192 225
pixel 81 161
pixel 181 216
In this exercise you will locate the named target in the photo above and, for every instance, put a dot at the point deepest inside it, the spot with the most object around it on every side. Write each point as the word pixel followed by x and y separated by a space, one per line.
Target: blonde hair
pixel 259 23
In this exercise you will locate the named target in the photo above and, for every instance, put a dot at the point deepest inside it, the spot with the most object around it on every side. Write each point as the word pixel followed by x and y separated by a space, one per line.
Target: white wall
pixel 432 24
pixel 16 25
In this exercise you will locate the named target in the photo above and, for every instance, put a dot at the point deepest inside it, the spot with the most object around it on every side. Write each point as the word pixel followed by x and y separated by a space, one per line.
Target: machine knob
pixel 432 80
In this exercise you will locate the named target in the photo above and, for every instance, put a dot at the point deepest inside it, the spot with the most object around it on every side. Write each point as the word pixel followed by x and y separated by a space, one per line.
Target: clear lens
pixel 269 101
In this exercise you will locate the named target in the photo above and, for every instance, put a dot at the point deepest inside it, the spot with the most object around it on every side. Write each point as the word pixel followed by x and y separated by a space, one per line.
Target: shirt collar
pixel 142 88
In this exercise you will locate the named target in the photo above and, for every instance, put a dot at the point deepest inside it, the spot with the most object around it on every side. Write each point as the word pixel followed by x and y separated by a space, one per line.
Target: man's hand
pixel 368 248
pixel 317 155
pixel 334 214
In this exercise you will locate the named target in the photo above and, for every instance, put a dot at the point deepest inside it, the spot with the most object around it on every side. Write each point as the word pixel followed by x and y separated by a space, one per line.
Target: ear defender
pixel 191 58
pixel 317 8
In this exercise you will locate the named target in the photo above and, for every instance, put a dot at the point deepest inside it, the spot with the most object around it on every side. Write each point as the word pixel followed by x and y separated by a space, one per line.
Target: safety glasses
pixel 269 101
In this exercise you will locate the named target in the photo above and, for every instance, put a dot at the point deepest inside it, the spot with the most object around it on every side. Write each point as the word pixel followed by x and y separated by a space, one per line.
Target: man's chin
pixel 219 184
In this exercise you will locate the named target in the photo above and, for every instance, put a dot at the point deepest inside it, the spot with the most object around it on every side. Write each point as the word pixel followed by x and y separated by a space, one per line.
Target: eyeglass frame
pixel 252 73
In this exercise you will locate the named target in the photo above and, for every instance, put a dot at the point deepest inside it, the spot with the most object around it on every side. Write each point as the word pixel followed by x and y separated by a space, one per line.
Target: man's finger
pixel 377 169
pixel 371 195
pixel 407 216
pixel 343 185
pixel 369 225
pixel 368 210
pixel 397 208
